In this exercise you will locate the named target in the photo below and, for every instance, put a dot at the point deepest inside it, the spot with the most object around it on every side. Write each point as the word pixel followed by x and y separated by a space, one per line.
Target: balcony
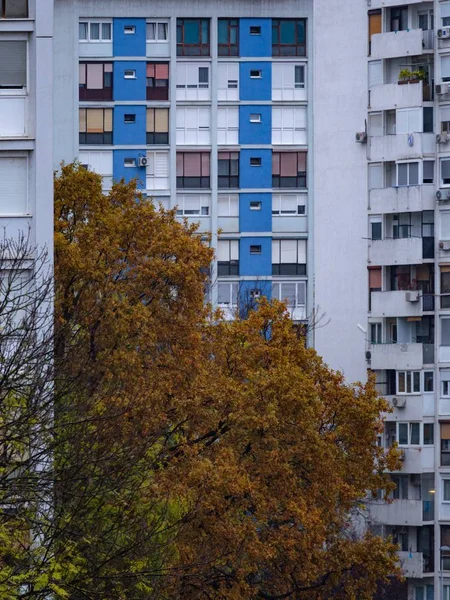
pixel 399 512
pixel 404 251
pixel 412 198
pixel 12 116
pixel 396 356
pixel 388 3
pixel 396 304
pixel 411 564
pixel 401 146
pixel 397 44
pixel 392 95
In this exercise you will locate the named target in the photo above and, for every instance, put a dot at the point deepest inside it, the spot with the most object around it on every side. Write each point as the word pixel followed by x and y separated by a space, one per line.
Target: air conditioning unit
pixel 442 88
pixel 445 246
pixel 442 138
pixel 444 32
pixel 361 137
pixel 368 355
pixel 412 296
pixel 142 161
pixel 399 402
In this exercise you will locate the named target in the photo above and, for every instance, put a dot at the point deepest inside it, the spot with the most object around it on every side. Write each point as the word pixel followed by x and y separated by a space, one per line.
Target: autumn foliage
pixel 195 458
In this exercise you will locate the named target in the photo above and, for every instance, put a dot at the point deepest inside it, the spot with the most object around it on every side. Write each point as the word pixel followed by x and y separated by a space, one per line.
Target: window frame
pixel 155 138
pixel 445 393
pixel 283 213
pixel 108 136
pixel 17 90
pixel 226 48
pixel 408 173
pixel 441 179
pixel 289 269
pixel 204 180
pixel 204 47
pixel 298 46
pixel 157 91
pixel 409 429
pixel 410 377
pixel 229 268
pixel 100 23
pixel 201 198
pixel 231 180
pixel 3 14
pixel 232 201
pixel 157 40
pixel 282 298
pixel 300 182
pixel 101 94
pixel 233 295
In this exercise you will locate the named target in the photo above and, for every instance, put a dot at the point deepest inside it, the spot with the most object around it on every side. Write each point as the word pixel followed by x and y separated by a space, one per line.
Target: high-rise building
pixel 26 134
pixel 314 136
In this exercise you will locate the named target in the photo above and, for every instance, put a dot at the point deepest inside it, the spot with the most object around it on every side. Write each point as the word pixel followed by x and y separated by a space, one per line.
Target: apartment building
pixel 26 139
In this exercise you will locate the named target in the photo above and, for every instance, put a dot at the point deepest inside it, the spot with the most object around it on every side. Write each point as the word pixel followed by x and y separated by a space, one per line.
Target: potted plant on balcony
pixel 417 76
pixel 404 76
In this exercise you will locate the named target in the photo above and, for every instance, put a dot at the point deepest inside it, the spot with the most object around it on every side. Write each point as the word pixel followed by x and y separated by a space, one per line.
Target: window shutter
pixel 151 164
pixel 95 76
pixel 445 66
pixel 401 125
pixel 223 250
pixel 161 120
pixel 301 244
pixel 375 176
pixel 300 117
pixel 108 119
pixel 277 117
pixel 161 164
pixel 82 116
pixel 94 120
pixel 445 225
pixel 13 64
pixel 374 278
pixel 150 120
pixel 275 252
pixel 204 117
pixel 375 73
pixel 14 185
pixel 234 250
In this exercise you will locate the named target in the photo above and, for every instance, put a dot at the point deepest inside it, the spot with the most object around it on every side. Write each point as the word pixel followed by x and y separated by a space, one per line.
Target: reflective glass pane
pixel 223 31
pixel 287 32
pixel 94 31
pixel 106 31
pixel 162 31
pixel 403 434
pixel 82 31
pixel 151 31
pixel 191 32
pixel 415 433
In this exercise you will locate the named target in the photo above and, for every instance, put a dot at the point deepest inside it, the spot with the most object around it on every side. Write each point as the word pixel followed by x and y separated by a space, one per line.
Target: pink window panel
pixel 302 161
pixel 275 163
pixel 162 71
pixel 108 68
pixel 95 76
pixel 180 163
pixel 150 70
pixel 82 74
pixel 224 155
pixel 205 164
pixel 288 164
pixel 192 164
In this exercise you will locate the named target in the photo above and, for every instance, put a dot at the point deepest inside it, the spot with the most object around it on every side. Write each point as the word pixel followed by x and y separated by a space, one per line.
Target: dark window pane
pixel 223 31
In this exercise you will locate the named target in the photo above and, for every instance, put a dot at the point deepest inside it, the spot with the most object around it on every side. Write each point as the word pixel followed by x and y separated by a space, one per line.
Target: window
pixel 228 205
pixel 14 185
pixel 94 31
pixel 401 487
pixel 255 118
pixel 428 171
pixel 255 30
pixel 227 257
pixel 375 333
pixel 129 162
pixel 228 81
pixel 428 120
pixel 408 382
pixel 157 175
pixel 289 125
pixel 101 162
pixel 228 170
pixel 255 249
pixel 192 81
pixel 193 125
pixel 95 81
pixel 256 74
pixel 157 31
pixel 445 286
pixel 129 29
pixel 193 170
pixel 299 77
pixel 445 444
pixel 13 9
pixel 13 65
pixel 190 205
pixel 445 171
pixel 157 81
pixel 288 257
pixel 227 293
pixel 157 125
pixel 96 126
pixel 288 204
pixel 428 381
pixel 255 161
pixel 375 227
pixel 446 490
pixel 407 174
pixel 399 18
pixel 445 388
pixel 193 37
pixel 228 37
pixel 288 81
pixel 445 332
pixel 163 200
pixel 255 205
pixel 289 169
pixel 227 125
pixel 288 37
pixel 129 74
pixel 409 434
pixel 428 434
pixel 293 293
pixel 129 118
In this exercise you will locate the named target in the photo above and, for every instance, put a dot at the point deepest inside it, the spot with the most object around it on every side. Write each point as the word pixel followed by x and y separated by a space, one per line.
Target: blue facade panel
pixel 127 173
pixel 252 177
pixel 257 265
pixel 255 45
pixel 130 133
pixel 255 81
pixel 129 44
pixel 255 220
pixel 130 89
pixel 254 132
